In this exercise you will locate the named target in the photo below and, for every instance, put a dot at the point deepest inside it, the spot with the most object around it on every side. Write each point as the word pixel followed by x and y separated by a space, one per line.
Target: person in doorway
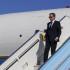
pixel 53 33
pixel 40 52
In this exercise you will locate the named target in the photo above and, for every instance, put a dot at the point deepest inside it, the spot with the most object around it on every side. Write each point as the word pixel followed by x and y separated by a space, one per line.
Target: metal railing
pixel 22 54
pixel 55 53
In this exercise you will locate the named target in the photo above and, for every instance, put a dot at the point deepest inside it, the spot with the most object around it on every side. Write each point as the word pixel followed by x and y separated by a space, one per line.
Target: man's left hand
pixel 56 39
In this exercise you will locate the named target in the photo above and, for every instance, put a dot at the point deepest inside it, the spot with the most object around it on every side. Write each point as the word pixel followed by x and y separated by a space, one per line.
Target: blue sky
pixel 11 6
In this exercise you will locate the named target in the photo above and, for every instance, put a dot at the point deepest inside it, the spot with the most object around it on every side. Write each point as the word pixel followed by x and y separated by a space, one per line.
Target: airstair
pixel 25 57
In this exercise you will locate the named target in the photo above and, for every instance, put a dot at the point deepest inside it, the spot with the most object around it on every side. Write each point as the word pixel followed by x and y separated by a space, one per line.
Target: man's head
pixel 52 16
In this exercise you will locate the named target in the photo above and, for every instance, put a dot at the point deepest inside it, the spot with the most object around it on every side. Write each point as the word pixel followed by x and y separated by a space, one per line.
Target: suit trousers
pixel 49 45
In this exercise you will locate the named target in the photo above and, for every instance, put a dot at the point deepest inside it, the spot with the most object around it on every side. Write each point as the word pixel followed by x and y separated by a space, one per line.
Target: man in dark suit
pixel 53 33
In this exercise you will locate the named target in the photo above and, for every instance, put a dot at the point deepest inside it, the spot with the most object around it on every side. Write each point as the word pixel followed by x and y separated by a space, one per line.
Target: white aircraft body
pixel 16 28
pixel 25 23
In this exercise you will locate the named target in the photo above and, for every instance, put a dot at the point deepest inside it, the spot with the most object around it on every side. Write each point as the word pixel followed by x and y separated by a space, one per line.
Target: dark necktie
pixel 51 24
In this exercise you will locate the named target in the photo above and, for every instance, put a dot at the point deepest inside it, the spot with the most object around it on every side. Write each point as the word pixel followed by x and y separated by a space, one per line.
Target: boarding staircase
pixel 25 57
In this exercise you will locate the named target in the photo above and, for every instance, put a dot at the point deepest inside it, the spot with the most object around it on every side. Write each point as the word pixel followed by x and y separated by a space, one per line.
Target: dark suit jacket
pixel 55 31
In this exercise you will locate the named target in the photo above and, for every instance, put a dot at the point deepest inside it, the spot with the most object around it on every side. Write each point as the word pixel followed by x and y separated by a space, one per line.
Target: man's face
pixel 51 17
